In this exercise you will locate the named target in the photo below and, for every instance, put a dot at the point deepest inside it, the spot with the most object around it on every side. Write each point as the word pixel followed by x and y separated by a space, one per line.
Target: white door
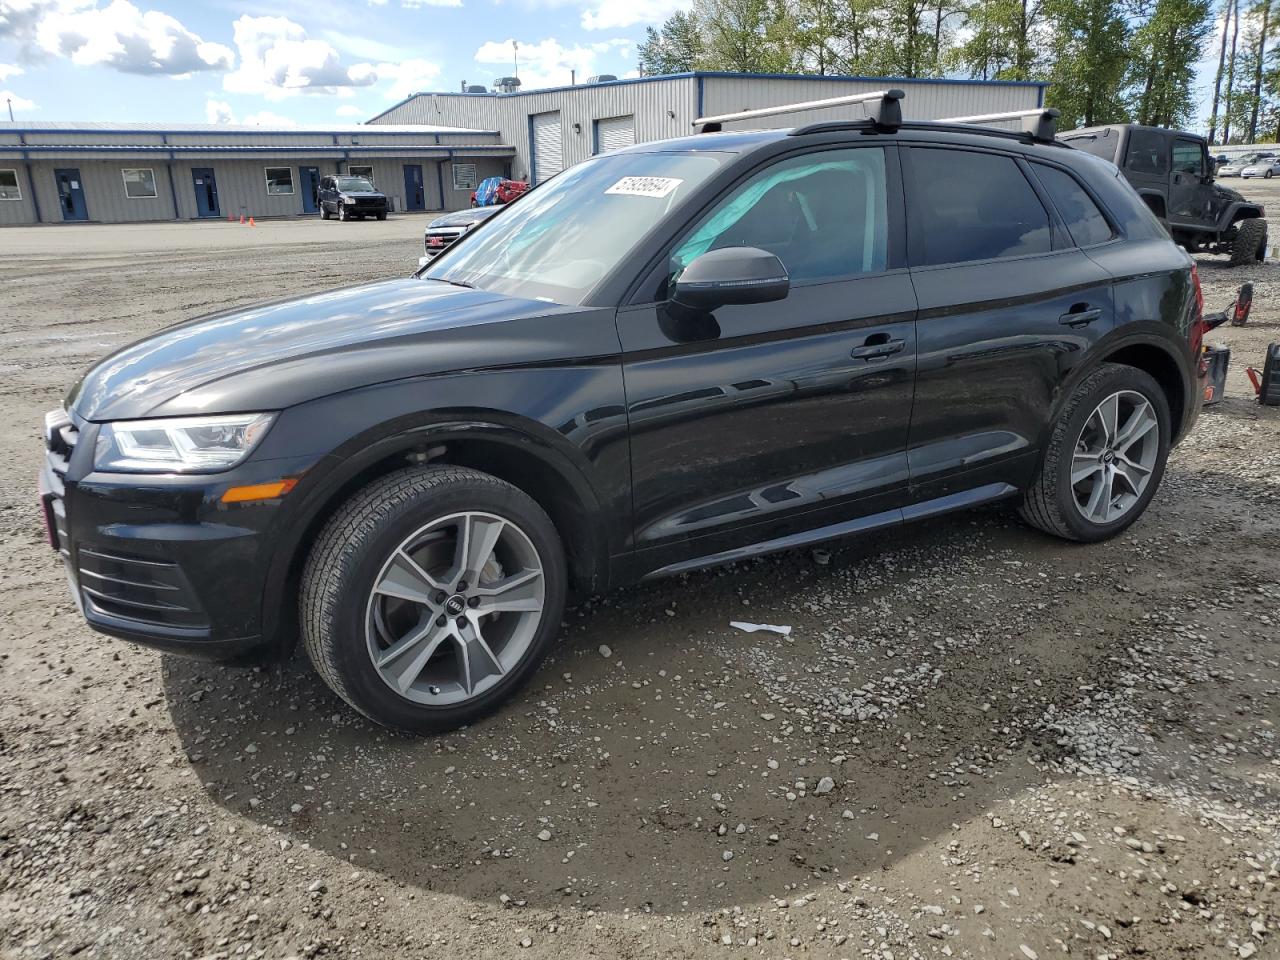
pixel 615 133
pixel 548 151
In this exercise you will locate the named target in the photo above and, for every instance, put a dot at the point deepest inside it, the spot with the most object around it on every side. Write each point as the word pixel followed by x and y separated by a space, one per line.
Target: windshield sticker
pixel 644 186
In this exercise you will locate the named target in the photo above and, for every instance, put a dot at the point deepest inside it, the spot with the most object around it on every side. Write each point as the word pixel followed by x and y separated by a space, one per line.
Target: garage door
pixel 548 152
pixel 615 133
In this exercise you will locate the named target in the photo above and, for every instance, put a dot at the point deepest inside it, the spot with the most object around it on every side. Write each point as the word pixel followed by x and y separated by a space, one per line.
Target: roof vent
pixel 477 88
pixel 602 78
pixel 507 84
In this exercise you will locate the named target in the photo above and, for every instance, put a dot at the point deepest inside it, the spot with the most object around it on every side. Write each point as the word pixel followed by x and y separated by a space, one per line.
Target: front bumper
pixel 159 559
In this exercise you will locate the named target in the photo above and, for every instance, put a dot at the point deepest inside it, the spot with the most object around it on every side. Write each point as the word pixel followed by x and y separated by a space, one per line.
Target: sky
pixel 294 62
pixel 306 62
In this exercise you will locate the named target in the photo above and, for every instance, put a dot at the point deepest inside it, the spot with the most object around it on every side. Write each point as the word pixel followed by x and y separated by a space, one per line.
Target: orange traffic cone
pixel 242 219
pixel 251 223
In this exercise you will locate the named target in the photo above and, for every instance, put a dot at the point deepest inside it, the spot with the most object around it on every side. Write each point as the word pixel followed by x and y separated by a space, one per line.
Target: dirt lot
pixel 977 742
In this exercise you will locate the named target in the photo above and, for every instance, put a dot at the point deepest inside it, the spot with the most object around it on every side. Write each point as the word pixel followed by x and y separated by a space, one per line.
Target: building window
pixel 366 172
pixel 9 189
pixel 139 183
pixel 280 181
pixel 464 176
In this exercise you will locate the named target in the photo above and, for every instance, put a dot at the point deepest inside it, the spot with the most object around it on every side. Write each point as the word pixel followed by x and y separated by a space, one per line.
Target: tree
pixel 1164 52
pixel 1222 61
pixel 745 36
pixel 676 47
pixel 1088 60
pixel 1260 57
pixel 1001 42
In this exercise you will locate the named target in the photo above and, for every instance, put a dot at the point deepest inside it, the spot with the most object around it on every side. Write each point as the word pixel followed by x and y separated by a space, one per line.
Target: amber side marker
pixel 259 491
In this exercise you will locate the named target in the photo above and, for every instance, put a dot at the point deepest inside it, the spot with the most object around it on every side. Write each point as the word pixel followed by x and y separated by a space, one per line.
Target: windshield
pixel 356 184
pixel 561 239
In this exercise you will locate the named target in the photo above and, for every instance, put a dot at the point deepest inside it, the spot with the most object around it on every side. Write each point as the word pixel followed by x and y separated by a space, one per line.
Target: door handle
pixel 1080 315
pixel 877 349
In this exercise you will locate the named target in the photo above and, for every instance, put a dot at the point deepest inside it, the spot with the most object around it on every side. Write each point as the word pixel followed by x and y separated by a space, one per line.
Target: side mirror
pixel 733 275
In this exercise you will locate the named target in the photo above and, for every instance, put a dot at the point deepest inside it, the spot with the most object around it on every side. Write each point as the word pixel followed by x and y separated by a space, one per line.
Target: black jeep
pixel 1173 173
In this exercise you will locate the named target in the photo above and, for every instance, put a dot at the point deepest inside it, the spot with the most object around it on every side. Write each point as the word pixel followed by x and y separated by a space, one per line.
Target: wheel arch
pixel 515 453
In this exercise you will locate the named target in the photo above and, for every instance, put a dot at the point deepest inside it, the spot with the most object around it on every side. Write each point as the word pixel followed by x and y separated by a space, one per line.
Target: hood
pixel 363 194
pixel 271 356
pixel 464 217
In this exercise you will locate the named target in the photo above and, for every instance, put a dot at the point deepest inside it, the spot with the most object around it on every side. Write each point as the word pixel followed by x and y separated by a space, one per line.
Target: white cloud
pixel 124 38
pixel 218 111
pixel 413 4
pixel 279 60
pixel 546 63
pixel 8 70
pixel 351 110
pixel 408 76
pixel 614 14
pixel 19 104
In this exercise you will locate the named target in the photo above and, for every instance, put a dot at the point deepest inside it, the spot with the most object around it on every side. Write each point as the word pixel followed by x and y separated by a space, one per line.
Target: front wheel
pixel 382 216
pixel 343 214
pixel 431 597
pixel 1250 242
pixel 1267 175
pixel 1105 457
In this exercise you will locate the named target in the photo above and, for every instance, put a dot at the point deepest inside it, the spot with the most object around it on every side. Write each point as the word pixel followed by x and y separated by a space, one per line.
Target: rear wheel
pixel 1105 457
pixel 324 212
pixel 431 597
pixel 1250 243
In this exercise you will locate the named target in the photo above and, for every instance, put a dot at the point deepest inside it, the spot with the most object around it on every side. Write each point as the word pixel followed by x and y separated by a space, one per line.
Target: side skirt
pixel 876 521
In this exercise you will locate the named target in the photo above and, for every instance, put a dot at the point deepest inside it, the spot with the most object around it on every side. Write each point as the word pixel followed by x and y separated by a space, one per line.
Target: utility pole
pixel 9 101
pixel 515 56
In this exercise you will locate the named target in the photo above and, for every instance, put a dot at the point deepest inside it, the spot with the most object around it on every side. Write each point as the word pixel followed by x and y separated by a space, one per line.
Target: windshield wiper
pixel 456 283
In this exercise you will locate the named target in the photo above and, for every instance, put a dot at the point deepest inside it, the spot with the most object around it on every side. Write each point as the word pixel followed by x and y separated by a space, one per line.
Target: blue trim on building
pixel 180 131
pixel 175 151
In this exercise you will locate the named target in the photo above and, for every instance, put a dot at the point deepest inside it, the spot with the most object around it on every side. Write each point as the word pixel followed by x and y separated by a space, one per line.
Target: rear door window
pixel 1084 220
pixel 973 206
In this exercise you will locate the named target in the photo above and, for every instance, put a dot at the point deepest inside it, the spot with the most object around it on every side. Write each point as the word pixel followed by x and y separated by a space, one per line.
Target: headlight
pixel 180 444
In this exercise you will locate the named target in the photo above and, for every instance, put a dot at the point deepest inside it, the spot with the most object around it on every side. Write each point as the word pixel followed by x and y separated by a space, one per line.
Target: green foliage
pixel 676 48
pixel 1163 54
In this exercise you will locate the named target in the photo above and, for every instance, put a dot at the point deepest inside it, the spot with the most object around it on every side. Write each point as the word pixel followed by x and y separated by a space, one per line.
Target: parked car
pixel 1233 168
pixel 346 197
pixel 497 190
pixel 1266 167
pixel 659 361
pixel 443 232
pixel 1172 173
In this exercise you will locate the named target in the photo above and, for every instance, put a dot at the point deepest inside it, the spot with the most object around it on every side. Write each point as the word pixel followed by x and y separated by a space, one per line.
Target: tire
pixel 344 621
pixel 342 213
pixel 1267 175
pixel 1050 503
pixel 382 216
pixel 1250 243
pixel 324 212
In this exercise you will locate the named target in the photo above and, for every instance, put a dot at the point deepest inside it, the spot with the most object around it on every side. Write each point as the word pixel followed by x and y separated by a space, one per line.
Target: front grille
pixel 135 588
pixel 60 436
pixel 438 241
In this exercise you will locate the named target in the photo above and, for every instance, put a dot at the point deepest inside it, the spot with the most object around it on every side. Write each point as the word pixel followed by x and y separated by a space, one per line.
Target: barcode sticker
pixel 644 186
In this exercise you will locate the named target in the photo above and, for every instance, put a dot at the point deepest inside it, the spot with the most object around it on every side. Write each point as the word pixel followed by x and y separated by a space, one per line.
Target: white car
pixel 1266 167
pixel 1236 166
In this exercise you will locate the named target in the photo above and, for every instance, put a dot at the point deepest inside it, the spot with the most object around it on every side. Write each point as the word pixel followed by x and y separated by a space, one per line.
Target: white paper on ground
pixel 755 627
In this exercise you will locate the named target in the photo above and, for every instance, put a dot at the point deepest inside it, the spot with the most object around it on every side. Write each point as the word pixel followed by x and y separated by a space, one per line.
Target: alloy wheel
pixel 455 608
pixel 1115 456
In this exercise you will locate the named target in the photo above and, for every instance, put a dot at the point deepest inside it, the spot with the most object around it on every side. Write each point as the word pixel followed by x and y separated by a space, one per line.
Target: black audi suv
pixel 671 356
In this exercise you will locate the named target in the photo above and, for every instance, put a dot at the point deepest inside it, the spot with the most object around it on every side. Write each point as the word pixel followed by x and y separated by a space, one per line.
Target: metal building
pixel 556 128
pixel 111 173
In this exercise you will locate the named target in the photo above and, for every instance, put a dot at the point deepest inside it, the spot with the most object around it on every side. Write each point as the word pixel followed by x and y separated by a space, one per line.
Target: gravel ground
pixel 976 742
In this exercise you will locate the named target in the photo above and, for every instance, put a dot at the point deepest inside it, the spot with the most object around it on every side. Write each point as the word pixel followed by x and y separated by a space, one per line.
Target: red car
pixel 497 190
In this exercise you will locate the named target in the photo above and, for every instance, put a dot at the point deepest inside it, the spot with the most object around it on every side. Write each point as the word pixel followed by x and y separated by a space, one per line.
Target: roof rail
pixel 1041 123
pixel 886 115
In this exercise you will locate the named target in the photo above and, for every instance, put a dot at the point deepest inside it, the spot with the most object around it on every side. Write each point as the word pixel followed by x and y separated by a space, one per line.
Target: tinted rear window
pixel 1084 220
pixel 975 206
pixel 1147 153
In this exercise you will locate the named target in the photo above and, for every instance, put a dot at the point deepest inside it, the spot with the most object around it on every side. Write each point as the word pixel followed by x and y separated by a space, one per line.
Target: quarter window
pixel 1188 157
pixel 139 183
pixel 974 206
pixel 824 215
pixel 1083 218
pixel 1147 152
pixel 9 189
pixel 279 181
